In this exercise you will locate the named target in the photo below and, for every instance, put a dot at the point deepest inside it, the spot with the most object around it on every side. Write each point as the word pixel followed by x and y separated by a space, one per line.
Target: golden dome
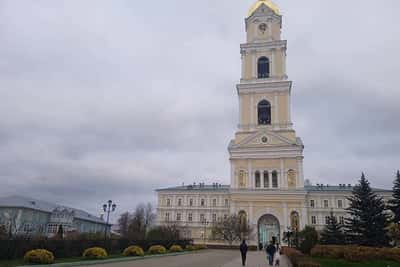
pixel 268 3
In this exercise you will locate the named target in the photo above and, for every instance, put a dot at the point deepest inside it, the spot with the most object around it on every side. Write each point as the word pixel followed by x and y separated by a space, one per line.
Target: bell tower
pixel 265 154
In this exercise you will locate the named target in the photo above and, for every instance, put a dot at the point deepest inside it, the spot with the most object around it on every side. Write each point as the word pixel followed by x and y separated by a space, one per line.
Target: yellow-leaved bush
pixel 157 249
pixel 95 253
pixel 39 256
pixel 133 251
pixel 175 248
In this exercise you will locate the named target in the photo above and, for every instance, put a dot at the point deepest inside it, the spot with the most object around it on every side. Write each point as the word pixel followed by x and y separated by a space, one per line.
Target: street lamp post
pixel 109 207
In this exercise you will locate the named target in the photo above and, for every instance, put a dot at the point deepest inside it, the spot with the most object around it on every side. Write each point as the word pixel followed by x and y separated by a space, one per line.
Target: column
pixel 283 180
pixel 276 109
pixel 300 178
pixel 250 176
pixel 253 65
pixel 273 64
pixel 304 217
pixel 233 182
pixel 243 52
pixel 252 109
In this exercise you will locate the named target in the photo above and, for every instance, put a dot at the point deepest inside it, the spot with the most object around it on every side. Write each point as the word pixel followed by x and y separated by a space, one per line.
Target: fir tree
pixel 394 204
pixel 369 221
pixel 333 232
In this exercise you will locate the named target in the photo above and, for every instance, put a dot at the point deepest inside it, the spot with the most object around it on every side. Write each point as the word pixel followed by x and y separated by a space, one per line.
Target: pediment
pixel 265 138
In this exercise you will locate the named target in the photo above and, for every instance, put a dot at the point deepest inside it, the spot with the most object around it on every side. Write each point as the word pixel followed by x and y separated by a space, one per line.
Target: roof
pixel 30 203
pixel 268 3
pixel 337 188
pixel 198 187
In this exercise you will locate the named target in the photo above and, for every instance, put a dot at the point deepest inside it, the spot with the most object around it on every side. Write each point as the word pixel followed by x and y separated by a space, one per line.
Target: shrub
pixel 356 253
pixel 157 249
pixel 39 256
pixel 133 251
pixel 298 259
pixel 175 248
pixel 200 246
pixel 190 248
pixel 95 253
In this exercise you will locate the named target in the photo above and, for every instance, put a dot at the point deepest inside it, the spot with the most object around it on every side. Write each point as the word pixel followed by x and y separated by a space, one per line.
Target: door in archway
pixel 268 229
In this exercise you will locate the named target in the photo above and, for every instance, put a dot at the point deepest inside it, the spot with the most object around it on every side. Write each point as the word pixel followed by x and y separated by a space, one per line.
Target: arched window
pixel 263 67
pixel 266 179
pixel 294 221
pixel 258 179
pixel 264 112
pixel 275 179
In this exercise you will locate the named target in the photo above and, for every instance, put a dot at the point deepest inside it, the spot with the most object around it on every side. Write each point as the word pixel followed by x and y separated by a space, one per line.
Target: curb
pixel 107 261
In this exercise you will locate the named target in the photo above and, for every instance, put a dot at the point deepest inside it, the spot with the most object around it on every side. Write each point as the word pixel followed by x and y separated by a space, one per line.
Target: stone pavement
pixel 257 259
pixel 207 258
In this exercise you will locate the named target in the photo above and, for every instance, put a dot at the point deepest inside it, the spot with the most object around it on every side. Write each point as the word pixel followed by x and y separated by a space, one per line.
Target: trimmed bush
pixel 175 248
pixel 157 249
pixel 39 256
pixel 133 251
pixel 95 253
pixel 190 248
pixel 298 259
pixel 200 246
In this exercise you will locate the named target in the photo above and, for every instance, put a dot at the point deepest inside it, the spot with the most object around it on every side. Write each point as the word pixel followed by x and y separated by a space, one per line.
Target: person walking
pixel 277 257
pixel 271 252
pixel 243 251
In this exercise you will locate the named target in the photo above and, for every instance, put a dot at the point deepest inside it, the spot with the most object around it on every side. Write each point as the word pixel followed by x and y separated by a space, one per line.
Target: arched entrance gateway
pixel 268 229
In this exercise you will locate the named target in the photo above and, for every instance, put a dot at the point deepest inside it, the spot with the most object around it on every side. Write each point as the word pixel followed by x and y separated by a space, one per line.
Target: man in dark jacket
pixel 243 251
pixel 271 252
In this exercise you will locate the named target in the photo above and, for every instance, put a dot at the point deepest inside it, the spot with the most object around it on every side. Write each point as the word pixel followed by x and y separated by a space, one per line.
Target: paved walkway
pixel 257 259
pixel 207 258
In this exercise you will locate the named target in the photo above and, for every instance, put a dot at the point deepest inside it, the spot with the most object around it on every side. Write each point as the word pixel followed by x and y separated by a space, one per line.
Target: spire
pixel 268 3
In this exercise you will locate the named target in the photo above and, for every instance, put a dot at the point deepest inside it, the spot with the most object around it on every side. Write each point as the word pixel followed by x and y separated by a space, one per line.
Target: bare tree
pixel 123 224
pixel 233 228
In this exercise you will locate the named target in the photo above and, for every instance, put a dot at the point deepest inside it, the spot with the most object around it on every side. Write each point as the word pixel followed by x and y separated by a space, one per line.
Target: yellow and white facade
pixel 266 156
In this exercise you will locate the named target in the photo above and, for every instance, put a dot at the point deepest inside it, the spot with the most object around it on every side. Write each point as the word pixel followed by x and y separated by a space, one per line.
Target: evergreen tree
pixel 394 204
pixel 369 220
pixel 333 232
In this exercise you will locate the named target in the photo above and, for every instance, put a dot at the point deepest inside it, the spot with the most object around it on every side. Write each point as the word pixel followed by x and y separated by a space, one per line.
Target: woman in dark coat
pixel 243 251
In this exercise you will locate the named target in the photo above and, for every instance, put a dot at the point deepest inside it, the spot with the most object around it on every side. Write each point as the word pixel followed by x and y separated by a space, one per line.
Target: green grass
pixel 343 263
pixel 19 262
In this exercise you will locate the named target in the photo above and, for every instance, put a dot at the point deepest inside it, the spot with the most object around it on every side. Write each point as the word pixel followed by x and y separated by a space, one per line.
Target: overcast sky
pixel 112 99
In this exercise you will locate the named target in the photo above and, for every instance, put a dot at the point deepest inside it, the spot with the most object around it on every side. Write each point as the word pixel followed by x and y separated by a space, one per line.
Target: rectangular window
pixel 191 202
pixel 341 220
pixel 326 219
pixel 202 218
pixel 226 203
pixel 202 202
pixel 326 203
pixel 178 216
pixel 190 217
pixel 179 202
pixel 214 202
pixel 168 202
pixel 167 217
pixel 340 204
pixel 225 216
pixel 312 203
pixel 313 220
pixel 214 217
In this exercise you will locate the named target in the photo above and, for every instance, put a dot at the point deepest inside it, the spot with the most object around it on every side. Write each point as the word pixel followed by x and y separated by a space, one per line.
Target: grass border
pixel 107 261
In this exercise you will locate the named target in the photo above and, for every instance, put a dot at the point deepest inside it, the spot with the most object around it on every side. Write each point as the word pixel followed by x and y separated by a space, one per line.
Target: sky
pixel 113 99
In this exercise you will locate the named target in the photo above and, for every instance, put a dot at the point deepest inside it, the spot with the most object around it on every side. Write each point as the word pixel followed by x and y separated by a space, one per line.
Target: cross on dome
pixel 268 3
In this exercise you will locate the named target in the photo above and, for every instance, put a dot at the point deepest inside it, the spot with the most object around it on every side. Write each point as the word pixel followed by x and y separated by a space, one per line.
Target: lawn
pixel 343 263
pixel 13 263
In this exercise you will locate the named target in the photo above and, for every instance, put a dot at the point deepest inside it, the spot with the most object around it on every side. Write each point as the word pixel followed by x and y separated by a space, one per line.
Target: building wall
pixel 35 222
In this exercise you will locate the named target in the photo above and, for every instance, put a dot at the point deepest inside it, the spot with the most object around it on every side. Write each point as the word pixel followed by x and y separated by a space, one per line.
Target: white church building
pixel 266 156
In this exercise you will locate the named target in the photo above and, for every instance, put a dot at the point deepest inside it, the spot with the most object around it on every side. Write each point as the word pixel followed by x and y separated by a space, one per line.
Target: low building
pixel 28 216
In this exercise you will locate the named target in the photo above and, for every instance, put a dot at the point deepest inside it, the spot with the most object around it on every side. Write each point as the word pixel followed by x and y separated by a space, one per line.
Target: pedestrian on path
pixel 270 253
pixel 243 251
pixel 277 257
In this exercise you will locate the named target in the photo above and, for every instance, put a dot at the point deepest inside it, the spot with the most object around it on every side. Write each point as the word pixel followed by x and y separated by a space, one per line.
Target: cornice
pixel 260 46
pixel 264 86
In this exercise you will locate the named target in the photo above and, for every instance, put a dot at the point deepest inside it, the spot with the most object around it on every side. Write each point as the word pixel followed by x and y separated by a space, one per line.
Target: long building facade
pixel 267 182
